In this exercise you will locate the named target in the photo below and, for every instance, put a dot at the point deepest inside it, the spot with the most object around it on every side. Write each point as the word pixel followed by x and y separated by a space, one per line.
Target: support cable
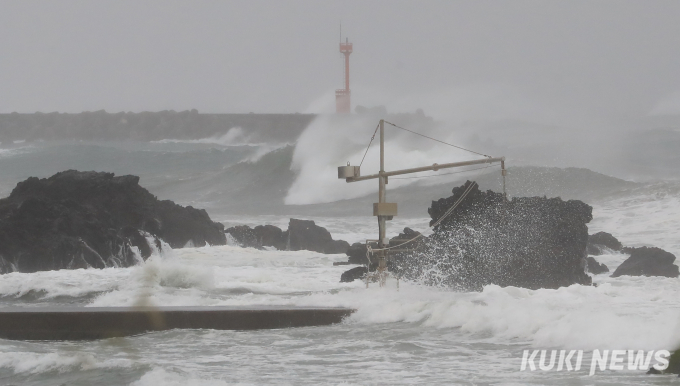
pixel 369 145
pixel 444 216
pixel 437 140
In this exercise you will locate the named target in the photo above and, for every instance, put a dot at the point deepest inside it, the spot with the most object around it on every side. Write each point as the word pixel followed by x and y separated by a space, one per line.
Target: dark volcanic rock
pixel 245 236
pixel 357 273
pixel 594 267
pixel 353 274
pixel 88 219
pixel 336 246
pixel 301 235
pixel 403 240
pixel 271 236
pixel 601 243
pixel 306 235
pixel 646 261
pixel 673 363
pixel 530 242
pixel 357 253
pixel 259 237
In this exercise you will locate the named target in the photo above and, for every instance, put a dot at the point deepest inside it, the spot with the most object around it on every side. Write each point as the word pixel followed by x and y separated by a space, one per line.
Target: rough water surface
pixel 416 335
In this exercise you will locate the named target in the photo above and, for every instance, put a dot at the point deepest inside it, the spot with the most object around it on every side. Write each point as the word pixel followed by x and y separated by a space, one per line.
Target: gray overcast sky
pixel 610 59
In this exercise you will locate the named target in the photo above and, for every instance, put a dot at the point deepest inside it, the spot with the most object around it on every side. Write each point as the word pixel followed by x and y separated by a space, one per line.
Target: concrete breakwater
pixel 81 323
pixel 149 126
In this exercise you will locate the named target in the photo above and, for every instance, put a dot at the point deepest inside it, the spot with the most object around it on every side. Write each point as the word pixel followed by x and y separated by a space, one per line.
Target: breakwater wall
pixel 149 126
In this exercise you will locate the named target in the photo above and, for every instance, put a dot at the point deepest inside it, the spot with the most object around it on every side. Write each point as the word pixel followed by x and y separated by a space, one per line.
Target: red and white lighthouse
pixel 342 96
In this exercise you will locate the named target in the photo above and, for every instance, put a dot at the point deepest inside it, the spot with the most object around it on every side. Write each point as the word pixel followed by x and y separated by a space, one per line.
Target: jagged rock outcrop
pixel 353 274
pixel 674 363
pixel 356 253
pixel 594 267
pixel 271 236
pixel 300 235
pixel 408 239
pixel 245 236
pixel 530 242
pixel 259 237
pixel 601 243
pixel 306 235
pixel 648 261
pixel 90 219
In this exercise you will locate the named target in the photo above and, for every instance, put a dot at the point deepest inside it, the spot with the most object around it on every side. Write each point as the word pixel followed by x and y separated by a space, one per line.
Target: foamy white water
pixel 416 335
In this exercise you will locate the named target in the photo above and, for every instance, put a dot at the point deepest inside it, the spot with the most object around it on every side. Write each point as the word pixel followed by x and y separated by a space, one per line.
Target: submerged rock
pixel 300 235
pixel 259 237
pixel 673 363
pixel 648 261
pixel 594 267
pixel 90 219
pixel 353 274
pixel 530 242
pixel 356 254
pixel 245 236
pixel 306 235
pixel 271 236
pixel 603 242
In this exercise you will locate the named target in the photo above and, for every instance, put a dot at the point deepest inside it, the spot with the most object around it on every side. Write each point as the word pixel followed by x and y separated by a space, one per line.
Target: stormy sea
pixel 414 334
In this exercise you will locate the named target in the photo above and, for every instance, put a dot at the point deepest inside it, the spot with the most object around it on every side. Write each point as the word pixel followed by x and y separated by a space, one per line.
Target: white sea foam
pixel 235 136
pixel 624 312
pixel 159 376
pixel 618 313
pixel 69 283
pixel 35 363
pixel 649 216
pixel 12 151
pixel 572 317
pixel 639 313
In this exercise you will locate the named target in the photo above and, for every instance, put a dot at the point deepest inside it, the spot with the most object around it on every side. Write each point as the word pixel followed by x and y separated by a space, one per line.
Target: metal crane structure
pixel 386 210
pixel 342 96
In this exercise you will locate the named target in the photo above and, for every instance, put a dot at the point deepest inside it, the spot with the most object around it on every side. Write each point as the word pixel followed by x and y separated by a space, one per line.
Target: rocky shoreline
pixel 93 220
pixel 300 235
pixel 97 220
pixel 530 242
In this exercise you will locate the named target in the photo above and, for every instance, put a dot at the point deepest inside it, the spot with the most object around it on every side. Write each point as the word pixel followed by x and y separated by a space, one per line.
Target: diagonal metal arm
pixel 434 167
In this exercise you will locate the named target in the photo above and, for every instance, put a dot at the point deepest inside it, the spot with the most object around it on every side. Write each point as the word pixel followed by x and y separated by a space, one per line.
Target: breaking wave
pixel 59 362
pixel 233 137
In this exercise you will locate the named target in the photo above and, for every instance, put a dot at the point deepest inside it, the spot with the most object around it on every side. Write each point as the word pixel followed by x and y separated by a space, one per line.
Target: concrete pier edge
pixel 89 323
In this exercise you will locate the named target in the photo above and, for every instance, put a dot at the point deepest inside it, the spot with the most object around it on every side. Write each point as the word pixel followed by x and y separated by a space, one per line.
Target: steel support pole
pixel 381 185
pixel 504 173
pixel 382 258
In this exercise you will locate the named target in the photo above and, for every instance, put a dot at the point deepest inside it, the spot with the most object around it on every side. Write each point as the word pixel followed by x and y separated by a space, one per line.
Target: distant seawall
pixel 149 126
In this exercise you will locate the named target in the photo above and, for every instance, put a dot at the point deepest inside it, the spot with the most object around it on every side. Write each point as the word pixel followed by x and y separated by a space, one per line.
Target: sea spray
pixel 331 141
